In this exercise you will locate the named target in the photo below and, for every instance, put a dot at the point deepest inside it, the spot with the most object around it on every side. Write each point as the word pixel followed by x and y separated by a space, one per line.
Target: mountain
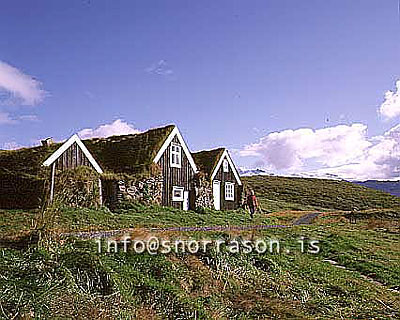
pixel 244 172
pixel 392 187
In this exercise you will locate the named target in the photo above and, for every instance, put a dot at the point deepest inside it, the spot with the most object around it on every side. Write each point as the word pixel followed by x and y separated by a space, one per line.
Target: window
pixel 177 193
pixel 225 165
pixel 175 155
pixel 229 191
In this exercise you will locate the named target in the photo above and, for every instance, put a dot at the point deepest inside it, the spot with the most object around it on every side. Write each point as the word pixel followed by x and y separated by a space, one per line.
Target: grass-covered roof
pixel 25 161
pixel 129 154
pixel 207 160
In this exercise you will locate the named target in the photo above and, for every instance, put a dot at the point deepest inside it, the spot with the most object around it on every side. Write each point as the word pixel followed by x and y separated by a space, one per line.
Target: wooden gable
pixel 230 176
pixel 232 169
pixel 72 154
pixel 173 176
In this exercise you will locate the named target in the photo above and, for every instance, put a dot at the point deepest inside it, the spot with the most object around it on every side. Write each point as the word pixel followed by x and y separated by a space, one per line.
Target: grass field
pixel 68 278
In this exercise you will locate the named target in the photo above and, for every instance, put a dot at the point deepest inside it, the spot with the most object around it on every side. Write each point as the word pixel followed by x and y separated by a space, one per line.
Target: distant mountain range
pixel 389 186
pixel 255 172
pixel 392 187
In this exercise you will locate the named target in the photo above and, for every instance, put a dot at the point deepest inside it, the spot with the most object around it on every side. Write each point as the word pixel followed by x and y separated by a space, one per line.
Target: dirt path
pixel 19 242
pixel 306 219
pixel 365 277
pixel 112 233
pixel 303 220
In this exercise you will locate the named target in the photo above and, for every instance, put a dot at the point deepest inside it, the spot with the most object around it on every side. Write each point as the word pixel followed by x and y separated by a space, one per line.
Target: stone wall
pixel 204 194
pixel 145 190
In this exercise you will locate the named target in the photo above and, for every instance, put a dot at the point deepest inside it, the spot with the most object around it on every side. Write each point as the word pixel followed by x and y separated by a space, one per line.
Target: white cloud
pixel 390 108
pixel 19 88
pixel 5 118
pixel 11 145
pixel 382 160
pixel 29 117
pixel 291 149
pixel 345 151
pixel 118 127
pixel 160 68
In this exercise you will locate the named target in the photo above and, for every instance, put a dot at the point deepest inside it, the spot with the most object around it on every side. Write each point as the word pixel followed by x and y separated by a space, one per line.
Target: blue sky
pixel 228 73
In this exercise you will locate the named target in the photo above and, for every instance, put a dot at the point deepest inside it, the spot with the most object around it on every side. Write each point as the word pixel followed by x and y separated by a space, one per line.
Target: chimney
pixel 47 142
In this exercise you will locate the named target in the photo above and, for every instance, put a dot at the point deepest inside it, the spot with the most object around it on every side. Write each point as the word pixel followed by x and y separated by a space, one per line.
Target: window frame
pixel 225 165
pixel 230 191
pixel 175 153
pixel 176 188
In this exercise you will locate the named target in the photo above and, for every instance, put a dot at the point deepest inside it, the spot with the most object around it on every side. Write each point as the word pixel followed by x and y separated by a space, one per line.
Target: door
pixel 192 199
pixel 186 200
pixel 217 194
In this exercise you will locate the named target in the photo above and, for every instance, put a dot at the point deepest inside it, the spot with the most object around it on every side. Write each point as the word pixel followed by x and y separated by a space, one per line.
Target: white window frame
pixel 229 191
pixel 181 189
pixel 225 165
pixel 175 153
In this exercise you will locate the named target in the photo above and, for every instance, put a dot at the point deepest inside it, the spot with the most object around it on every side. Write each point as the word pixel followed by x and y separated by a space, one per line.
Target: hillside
pixel 318 193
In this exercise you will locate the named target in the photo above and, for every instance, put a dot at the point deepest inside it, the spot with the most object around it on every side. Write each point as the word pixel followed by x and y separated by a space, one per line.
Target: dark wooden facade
pixel 224 177
pixel 179 177
pixel 72 158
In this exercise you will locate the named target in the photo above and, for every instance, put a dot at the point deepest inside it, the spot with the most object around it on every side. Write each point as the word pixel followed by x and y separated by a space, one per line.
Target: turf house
pixel 153 167
pixel 219 169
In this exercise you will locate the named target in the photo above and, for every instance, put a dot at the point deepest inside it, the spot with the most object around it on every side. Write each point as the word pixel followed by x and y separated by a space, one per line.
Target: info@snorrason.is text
pixel 155 245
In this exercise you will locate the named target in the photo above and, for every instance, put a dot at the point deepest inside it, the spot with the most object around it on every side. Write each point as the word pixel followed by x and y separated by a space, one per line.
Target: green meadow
pixel 355 274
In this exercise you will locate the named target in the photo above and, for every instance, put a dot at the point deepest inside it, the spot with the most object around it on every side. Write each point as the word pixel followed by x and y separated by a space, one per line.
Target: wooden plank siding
pixel 71 158
pixel 179 177
pixel 228 177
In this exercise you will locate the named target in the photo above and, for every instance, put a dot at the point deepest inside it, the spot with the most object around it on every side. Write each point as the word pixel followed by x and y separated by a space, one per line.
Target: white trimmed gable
pixel 225 155
pixel 175 132
pixel 74 139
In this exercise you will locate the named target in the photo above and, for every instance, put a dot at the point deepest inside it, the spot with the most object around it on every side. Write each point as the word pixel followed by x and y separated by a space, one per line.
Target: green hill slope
pixel 296 193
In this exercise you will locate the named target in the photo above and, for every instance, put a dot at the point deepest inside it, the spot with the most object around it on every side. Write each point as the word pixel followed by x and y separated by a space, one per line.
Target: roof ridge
pixel 130 134
pixel 210 150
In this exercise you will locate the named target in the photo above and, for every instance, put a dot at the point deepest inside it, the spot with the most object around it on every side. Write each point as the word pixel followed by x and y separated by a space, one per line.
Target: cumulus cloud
pixel 381 161
pixel 390 108
pixel 118 127
pixel 290 149
pixel 345 151
pixel 17 87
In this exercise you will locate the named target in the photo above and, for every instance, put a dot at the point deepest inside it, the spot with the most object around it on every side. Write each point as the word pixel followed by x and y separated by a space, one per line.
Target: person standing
pixel 252 203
